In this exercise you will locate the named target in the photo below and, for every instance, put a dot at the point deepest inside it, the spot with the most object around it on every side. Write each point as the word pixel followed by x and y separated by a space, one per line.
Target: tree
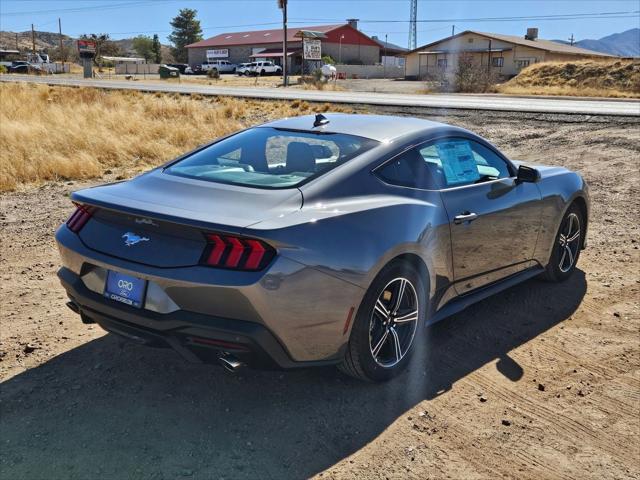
pixel 67 54
pixel 186 30
pixel 143 46
pixel 104 45
pixel 157 49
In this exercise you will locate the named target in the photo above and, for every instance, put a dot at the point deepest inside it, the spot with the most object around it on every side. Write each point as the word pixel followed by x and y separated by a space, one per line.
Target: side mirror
pixel 527 174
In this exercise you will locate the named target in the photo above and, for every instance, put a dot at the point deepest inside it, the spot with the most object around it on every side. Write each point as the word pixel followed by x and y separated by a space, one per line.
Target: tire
pixel 262 72
pixel 375 331
pixel 566 246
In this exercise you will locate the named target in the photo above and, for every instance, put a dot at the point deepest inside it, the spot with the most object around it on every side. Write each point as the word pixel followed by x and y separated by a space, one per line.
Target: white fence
pixel 369 71
pixel 47 67
pixel 56 67
pixel 137 68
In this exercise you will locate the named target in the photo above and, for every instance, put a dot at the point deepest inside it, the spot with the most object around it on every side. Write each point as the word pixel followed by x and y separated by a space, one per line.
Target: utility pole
pixel 33 38
pixel 384 56
pixel 453 30
pixel 489 61
pixel 282 4
pixel 571 39
pixel 61 52
pixel 17 41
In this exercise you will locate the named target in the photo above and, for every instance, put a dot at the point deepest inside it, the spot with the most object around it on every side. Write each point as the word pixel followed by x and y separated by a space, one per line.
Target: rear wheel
pixel 389 320
pixel 567 246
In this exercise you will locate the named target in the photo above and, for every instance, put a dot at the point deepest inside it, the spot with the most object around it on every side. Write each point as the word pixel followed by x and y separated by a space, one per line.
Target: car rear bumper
pixel 198 338
pixel 287 315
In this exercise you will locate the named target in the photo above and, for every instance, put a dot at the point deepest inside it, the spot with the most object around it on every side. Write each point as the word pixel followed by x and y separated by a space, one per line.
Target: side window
pixel 408 170
pixel 460 161
pixel 446 163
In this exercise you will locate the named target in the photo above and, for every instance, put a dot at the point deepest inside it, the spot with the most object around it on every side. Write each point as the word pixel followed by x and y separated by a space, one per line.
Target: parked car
pixel 24 67
pixel 193 70
pixel 243 68
pixel 315 240
pixel 182 67
pixel 265 68
pixel 223 66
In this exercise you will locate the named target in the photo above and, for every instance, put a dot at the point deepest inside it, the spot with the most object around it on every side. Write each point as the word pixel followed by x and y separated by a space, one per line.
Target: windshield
pixel 267 157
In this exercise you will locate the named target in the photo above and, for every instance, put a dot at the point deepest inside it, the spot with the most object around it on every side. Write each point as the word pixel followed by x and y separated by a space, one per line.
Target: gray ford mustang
pixel 317 240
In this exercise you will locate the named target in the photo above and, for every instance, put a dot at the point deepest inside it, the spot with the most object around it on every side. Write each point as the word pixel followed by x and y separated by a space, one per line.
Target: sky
pixel 127 18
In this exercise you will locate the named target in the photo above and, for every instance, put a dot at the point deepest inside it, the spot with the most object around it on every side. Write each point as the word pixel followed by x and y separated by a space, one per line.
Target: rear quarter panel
pixel 353 229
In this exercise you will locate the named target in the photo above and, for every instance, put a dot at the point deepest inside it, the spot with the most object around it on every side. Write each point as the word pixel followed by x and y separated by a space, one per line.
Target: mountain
pixel 50 41
pixel 624 44
pixel 43 40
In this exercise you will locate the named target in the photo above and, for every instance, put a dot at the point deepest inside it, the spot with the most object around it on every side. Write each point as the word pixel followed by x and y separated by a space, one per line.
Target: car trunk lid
pixel 160 220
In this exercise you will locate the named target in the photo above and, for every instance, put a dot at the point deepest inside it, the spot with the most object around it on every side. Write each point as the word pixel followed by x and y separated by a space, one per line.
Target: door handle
pixel 464 217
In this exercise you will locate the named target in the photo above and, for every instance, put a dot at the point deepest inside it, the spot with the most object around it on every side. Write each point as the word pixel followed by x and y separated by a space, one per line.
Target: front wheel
pixel 567 246
pixel 389 319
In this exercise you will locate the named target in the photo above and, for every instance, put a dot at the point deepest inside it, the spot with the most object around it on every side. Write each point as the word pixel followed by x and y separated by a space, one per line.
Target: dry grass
pixel 58 133
pixel 330 86
pixel 225 80
pixel 587 78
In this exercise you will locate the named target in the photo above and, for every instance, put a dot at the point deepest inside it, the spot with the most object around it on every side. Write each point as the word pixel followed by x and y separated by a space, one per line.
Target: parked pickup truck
pixel 223 66
pixel 265 68
pixel 25 67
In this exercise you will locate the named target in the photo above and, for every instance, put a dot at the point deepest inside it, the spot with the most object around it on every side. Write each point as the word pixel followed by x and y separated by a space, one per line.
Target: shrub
pixel 3 69
pixel 328 60
pixel 213 73
pixel 316 79
pixel 471 77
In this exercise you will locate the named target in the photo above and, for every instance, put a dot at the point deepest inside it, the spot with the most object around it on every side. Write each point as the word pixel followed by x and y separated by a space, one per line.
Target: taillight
pixel 80 217
pixel 237 253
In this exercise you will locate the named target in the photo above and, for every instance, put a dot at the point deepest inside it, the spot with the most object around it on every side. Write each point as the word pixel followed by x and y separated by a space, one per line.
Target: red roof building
pixel 344 43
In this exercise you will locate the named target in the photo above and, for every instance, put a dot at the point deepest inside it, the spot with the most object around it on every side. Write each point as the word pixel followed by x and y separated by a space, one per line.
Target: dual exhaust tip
pixel 229 362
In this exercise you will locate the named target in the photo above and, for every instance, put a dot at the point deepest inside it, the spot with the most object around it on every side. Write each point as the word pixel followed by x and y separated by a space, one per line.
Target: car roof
pixel 382 128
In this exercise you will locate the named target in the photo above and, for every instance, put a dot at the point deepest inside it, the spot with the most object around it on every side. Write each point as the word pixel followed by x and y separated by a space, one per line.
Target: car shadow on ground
pixel 109 409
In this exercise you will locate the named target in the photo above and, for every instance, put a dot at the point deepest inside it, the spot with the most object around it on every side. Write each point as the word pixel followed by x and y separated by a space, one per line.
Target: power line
pixel 302 21
pixel 518 19
pixel 110 6
pixel 203 28
pixel 566 16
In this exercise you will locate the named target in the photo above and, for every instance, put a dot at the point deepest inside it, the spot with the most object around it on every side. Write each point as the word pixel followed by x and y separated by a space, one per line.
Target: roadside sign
pixel 86 46
pixel 220 53
pixel 312 49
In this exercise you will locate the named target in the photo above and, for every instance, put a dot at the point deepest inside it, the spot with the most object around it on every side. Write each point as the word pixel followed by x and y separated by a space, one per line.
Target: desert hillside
pixel 49 42
pixel 620 78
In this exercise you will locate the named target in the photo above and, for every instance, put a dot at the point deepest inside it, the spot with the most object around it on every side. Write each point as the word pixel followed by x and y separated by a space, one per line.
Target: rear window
pixel 265 157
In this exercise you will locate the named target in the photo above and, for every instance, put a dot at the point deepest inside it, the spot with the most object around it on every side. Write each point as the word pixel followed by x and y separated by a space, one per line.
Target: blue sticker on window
pixel 458 162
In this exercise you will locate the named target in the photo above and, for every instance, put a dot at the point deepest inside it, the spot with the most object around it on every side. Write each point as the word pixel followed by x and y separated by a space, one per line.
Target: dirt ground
pixel 542 381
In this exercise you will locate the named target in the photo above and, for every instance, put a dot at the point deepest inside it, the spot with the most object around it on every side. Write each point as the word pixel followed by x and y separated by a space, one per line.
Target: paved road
pixel 472 102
